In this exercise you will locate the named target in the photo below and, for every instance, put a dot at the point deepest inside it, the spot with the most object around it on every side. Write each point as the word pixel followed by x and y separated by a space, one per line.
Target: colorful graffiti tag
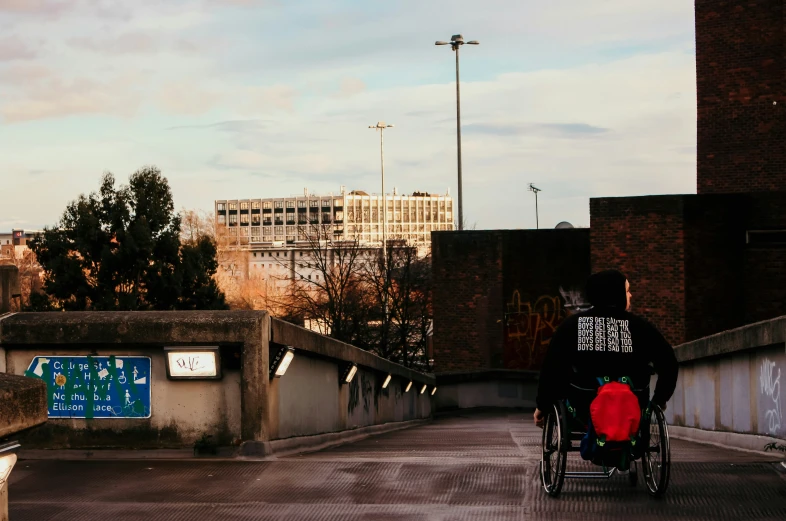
pixel 529 326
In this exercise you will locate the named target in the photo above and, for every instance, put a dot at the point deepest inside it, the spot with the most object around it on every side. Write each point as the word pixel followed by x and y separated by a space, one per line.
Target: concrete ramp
pixel 476 466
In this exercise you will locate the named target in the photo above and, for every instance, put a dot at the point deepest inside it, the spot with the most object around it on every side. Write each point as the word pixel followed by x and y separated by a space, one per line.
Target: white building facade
pixel 356 215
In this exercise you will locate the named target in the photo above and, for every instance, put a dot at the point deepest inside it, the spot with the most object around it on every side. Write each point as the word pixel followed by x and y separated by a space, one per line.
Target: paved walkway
pixel 470 467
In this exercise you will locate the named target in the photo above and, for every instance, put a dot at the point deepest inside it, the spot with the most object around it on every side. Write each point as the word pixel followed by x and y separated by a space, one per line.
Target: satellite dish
pixel 564 225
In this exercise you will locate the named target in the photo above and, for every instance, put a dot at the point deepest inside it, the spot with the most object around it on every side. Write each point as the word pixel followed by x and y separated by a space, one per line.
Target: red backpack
pixel 615 411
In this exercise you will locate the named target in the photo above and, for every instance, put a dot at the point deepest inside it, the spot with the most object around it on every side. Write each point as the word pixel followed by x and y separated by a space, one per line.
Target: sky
pixel 263 98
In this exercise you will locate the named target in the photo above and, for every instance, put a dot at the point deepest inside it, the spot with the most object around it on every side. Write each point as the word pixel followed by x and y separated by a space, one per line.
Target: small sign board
pixel 95 386
pixel 193 363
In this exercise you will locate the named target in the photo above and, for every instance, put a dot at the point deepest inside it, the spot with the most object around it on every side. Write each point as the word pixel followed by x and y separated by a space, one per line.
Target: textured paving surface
pixel 471 467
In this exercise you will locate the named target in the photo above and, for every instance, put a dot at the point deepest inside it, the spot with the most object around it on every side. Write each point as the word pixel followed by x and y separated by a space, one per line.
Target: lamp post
pixel 381 126
pixel 455 42
pixel 535 190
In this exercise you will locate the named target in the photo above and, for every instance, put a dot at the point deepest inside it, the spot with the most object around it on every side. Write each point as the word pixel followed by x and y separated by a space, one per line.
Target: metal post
pixel 535 190
pixel 456 41
pixel 537 224
pixel 458 141
pixel 384 210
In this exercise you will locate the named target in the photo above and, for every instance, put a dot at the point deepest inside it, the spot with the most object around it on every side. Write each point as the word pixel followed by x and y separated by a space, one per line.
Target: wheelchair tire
pixel 554 455
pixel 656 461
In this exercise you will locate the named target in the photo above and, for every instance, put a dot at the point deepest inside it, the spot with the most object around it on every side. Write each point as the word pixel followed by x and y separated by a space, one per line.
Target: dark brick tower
pixel 741 95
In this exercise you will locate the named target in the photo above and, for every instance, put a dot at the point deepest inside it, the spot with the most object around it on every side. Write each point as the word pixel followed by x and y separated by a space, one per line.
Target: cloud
pixel 23 76
pixel 571 130
pixel 136 42
pixel 53 96
pixel 245 3
pixel 12 48
pixel 267 99
pixel 47 8
pixel 248 125
pixel 350 87
pixel 187 98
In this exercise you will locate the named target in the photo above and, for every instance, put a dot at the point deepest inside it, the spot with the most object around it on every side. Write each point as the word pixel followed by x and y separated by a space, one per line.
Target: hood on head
pixel 607 289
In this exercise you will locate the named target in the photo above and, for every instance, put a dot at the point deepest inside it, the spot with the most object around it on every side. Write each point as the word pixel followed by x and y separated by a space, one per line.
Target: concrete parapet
pixel 486 388
pixel 22 404
pixel 240 404
pixel 731 383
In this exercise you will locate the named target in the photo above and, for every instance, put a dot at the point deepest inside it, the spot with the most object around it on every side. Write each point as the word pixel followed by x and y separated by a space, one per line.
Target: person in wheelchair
pixel 606 343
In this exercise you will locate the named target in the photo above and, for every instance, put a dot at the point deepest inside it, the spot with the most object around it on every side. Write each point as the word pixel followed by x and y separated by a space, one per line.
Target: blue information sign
pixel 94 386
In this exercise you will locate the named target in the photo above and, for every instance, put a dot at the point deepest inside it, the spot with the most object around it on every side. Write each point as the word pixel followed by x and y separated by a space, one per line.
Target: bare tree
pixel 402 292
pixel 326 284
pixel 242 291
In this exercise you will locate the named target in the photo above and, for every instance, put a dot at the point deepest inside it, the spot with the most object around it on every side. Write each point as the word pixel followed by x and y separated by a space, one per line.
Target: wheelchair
pixel 561 430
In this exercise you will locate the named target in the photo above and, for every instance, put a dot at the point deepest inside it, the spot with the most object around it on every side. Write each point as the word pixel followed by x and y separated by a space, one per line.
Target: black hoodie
pixel 608 341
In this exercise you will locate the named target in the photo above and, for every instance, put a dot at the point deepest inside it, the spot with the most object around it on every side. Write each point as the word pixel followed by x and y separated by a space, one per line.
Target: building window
pixel 279 230
pixel 222 219
pixel 325 203
pixel 255 205
pixel 255 219
pixel 279 204
pixel 267 219
pixel 232 219
pixel 267 231
pixel 290 204
pixel 244 218
pixel 266 205
pixel 301 203
pixel 233 206
pixel 244 206
pixel 314 203
pixel 221 207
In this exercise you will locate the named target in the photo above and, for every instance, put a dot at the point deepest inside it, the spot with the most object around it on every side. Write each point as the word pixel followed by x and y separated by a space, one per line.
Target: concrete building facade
pixel 354 215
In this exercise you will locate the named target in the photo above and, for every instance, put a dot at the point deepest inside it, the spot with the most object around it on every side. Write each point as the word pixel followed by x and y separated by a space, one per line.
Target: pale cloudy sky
pixel 262 98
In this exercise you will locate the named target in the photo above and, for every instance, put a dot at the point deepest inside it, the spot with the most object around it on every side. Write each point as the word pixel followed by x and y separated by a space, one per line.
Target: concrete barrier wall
pixel 244 405
pixel 310 400
pixel 731 382
pixel 181 411
pixel 490 388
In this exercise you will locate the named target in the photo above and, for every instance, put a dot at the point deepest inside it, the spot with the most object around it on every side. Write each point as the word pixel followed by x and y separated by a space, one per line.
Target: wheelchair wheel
pixel 656 462
pixel 555 450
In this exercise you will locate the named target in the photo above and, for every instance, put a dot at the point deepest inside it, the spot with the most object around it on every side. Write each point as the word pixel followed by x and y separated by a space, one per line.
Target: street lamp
pixel 535 190
pixel 381 126
pixel 455 42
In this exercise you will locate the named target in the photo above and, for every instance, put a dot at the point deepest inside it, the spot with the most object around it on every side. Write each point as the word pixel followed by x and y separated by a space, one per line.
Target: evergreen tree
pixel 120 249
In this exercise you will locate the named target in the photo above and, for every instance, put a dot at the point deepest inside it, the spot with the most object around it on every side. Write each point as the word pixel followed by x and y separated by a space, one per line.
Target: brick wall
pixel 691 272
pixel 740 64
pixel 467 270
pixel 497 294
pixel 644 238
pixel 714 258
pixel 764 273
pixel 544 273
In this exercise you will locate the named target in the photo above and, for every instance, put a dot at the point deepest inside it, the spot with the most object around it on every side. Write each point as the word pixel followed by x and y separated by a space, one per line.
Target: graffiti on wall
pixel 529 325
pixel 574 300
pixel 770 386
